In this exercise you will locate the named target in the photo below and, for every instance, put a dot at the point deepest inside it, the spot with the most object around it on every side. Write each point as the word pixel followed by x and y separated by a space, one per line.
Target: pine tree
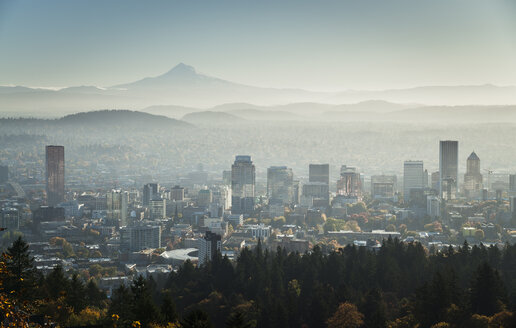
pixel 75 297
pixel 237 319
pixel 20 268
pixel 56 283
pixel 196 319
pixel 487 291
pixel 168 309
pixel 142 305
pixel 94 296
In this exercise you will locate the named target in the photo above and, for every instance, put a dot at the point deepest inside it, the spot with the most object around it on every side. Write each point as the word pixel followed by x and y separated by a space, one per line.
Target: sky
pixel 316 45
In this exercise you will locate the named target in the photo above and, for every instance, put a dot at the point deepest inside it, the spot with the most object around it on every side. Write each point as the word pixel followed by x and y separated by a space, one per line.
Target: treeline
pixel 401 285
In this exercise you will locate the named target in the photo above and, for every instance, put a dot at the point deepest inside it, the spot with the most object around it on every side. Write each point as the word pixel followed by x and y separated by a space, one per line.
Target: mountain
pixel 122 119
pixel 181 76
pixel 209 117
pixel 487 94
pixel 173 111
pixel 266 115
pixel 183 86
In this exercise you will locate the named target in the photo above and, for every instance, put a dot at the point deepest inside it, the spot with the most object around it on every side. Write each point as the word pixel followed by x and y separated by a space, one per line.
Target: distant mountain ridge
pixel 183 86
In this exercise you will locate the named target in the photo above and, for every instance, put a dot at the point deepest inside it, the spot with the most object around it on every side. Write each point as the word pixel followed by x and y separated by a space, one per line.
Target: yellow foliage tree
pixel 346 316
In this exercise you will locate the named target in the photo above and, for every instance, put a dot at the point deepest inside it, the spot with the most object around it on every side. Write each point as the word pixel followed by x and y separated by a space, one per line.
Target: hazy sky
pixel 319 45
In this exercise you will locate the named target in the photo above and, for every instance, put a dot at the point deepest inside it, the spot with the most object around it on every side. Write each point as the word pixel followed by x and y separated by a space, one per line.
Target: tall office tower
pixel 434 180
pixel 177 193
pixel 512 183
pixel 319 173
pixel 204 197
pixel 4 173
pixel 296 191
pixel 448 168
pixel 226 178
pixel 280 185
pixel 433 207
pixel 473 177
pixel 208 247
pixel 116 204
pixel 383 187
pixel 222 197
pixel 55 174
pixel 350 182
pixel 150 191
pixel 243 179
pixel 158 208
pixel 413 178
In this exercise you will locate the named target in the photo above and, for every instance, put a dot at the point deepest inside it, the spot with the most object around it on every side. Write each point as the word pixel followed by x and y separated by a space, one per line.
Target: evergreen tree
pixel 168 309
pixel 75 297
pixel 196 319
pixel 237 319
pixel 487 291
pixel 94 296
pixel 20 269
pixel 120 303
pixel 56 283
pixel 143 307
pixel 374 310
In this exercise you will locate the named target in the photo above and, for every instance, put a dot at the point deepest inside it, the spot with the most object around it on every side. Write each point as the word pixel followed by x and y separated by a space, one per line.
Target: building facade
pixel 448 168
pixel 280 185
pixel 209 246
pixel 413 178
pixel 150 191
pixel 319 173
pixel 116 205
pixel 473 177
pixel 243 180
pixel 55 174
pixel 136 238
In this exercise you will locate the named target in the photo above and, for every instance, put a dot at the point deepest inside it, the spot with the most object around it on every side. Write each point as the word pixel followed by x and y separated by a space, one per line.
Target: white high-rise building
pixel 433 206
pixel 208 247
pixel 413 177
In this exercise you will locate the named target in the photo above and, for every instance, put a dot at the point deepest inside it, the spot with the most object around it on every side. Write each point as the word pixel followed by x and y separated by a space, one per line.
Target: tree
pixel 56 283
pixel 487 291
pixel 87 316
pixel 196 319
pixel 75 297
pixel 143 307
pixel 238 319
pixel 94 296
pixel 120 304
pixel 346 316
pixel 374 310
pixel 168 309
pixel 20 269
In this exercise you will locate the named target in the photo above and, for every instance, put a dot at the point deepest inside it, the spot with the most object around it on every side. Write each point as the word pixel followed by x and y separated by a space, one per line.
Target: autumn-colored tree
pixel 346 316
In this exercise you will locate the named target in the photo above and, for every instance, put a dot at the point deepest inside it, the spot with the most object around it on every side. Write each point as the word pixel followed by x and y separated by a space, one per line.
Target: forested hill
pixel 401 285
pixel 103 119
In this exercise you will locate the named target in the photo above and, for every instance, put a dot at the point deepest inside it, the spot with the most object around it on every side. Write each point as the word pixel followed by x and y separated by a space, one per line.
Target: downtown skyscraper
pixel 55 171
pixel 448 168
pixel 243 179
pixel 280 185
pixel 413 178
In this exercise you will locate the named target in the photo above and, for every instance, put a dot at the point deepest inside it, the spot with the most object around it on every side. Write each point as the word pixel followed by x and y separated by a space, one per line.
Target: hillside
pixel 209 117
